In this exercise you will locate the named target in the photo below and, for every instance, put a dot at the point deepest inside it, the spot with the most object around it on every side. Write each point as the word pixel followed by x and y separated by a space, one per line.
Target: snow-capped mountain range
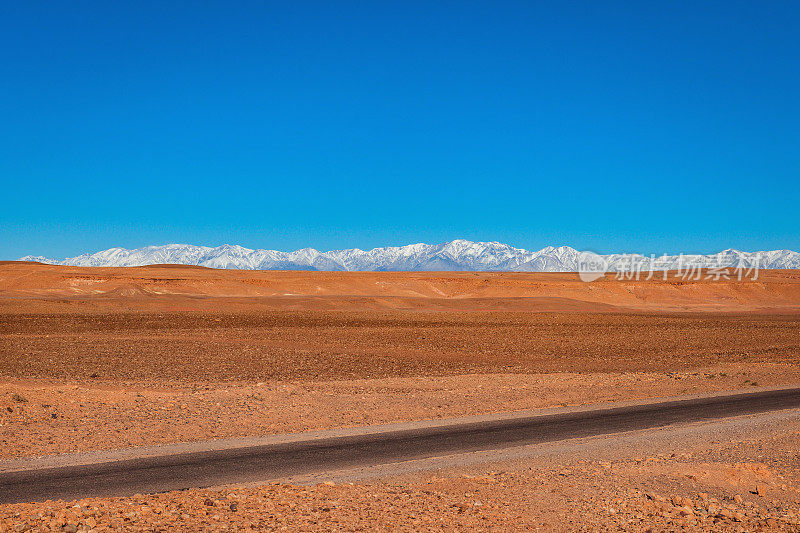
pixel 453 255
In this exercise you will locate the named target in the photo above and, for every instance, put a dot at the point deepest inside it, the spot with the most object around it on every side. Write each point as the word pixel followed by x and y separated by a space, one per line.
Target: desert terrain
pixel 109 358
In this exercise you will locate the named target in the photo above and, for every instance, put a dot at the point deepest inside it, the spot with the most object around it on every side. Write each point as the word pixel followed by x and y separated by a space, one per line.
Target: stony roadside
pixel 42 417
pixel 576 497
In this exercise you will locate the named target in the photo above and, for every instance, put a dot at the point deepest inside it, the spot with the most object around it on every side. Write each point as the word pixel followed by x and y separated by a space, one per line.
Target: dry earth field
pixel 104 358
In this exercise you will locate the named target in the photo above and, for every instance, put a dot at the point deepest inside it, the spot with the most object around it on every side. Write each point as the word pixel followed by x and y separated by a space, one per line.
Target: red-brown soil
pixel 103 363
pixel 221 345
pixel 98 358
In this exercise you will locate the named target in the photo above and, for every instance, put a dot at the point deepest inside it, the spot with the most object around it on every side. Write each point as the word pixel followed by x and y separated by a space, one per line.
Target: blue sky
pixel 652 127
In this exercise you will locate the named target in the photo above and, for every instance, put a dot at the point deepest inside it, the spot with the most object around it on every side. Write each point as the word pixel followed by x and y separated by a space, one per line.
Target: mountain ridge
pixel 455 255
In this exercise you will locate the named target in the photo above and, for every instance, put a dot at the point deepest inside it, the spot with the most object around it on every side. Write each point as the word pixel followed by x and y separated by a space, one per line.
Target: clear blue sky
pixel 611 126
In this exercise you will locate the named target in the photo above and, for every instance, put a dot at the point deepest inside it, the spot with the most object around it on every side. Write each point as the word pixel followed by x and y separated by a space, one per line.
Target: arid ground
pixel 106 358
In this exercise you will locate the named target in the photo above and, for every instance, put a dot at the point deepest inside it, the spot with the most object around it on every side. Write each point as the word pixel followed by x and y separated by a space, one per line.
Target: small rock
pixel 460 507
pixel 70 528
pixel 724 513
pixel 738 499
pixel 22 527
pixel 19 398
pixel 234 506
pixel 209 502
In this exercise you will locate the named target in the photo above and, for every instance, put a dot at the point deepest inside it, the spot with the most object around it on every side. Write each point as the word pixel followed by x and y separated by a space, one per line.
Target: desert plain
pixel 97 359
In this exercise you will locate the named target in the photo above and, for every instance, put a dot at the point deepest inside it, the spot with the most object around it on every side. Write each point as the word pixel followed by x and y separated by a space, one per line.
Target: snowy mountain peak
pixel 458 254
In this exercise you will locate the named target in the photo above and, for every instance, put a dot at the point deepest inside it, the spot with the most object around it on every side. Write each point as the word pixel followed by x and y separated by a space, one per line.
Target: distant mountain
pixel 453 255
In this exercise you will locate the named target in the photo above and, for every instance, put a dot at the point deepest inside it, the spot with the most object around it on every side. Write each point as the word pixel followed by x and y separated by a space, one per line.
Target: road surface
pixel 272 461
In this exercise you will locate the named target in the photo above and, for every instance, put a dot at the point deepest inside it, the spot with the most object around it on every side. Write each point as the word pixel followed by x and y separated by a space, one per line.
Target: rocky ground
pixel 223 345
pixel 98 359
